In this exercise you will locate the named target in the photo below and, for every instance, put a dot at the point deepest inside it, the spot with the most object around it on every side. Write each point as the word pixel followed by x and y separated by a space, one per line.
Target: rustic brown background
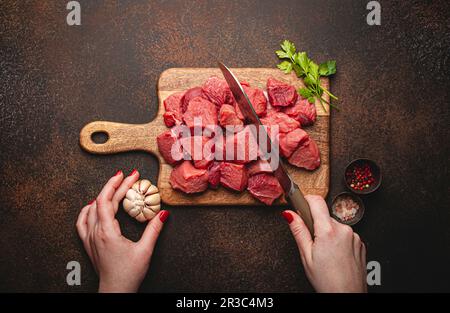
pixel 394 88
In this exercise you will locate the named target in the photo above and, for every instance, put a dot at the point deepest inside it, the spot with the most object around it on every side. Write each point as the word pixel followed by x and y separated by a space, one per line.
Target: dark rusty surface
pixel 392 79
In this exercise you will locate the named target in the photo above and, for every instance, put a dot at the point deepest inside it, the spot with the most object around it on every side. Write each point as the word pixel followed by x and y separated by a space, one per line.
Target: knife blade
pixel 291 190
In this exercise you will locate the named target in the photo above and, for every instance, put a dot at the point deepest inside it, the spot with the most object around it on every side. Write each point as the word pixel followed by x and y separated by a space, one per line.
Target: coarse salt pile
pixel 345 208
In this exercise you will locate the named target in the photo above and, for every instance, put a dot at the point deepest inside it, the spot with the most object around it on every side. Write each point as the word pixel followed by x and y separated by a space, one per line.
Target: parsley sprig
pixel 305 68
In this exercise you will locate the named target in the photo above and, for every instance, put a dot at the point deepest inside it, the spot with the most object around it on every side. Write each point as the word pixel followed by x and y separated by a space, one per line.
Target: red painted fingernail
pixel 118 173
pixel 133 172
pixel 287 216
pixel 92 201
pixel 163 215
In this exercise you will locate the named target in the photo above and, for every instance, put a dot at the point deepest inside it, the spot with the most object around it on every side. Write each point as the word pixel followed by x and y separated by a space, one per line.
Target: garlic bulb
pixel 142 201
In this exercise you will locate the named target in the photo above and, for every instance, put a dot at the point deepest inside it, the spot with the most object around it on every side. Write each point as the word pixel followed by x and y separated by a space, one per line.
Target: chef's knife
pixel 291 190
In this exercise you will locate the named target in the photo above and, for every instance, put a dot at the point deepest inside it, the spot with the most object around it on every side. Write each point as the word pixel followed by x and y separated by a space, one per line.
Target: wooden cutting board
pixel 128 137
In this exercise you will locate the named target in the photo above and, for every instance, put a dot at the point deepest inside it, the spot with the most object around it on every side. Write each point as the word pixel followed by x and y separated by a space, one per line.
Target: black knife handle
pixel 299 204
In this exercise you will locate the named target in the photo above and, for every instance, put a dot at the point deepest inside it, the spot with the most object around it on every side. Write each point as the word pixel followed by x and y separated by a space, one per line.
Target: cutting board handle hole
pixel 100 137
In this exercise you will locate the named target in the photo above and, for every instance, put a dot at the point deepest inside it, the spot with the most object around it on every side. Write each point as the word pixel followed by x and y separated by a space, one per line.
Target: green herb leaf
pixel 285 66
pixel 295 58
pixel 327 68
pixel 281 54
pixel 313 71
pixel 303 61
pixel 308 82
pixel 298 70
pixel 288 47
pixel 305 92
pixel 311 100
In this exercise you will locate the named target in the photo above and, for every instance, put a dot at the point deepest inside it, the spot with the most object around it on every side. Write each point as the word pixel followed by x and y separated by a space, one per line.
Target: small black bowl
pixel 374 169
pixel 358 216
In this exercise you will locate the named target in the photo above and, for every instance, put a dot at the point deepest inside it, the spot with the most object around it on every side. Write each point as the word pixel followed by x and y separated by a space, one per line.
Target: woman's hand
pixel 120 263
pixel 335 260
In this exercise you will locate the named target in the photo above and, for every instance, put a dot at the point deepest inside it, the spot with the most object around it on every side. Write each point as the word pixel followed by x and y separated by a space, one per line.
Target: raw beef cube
pixel 257 99
pixel 280 93
pixel 284 122
pixel 201 109
pixel 214 175
pixel 233 176
pixel 272 109
pixel 259 166
pixel 217 91
pixel 172 104
pixel 264 187
pixel 238 110
pixel 200 149
pixel 187 178
pixel 302 111
pixel 188 95
pixel 228 116
pixel 306 156
pixel 220 147
pixel 171 119
pixel 289 141
pixel 165 142
pixel 208 153
pixel 241 147
pixel 245 146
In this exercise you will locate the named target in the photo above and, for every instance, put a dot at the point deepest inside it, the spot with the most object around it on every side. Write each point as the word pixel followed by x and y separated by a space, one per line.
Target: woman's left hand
pixel 120 263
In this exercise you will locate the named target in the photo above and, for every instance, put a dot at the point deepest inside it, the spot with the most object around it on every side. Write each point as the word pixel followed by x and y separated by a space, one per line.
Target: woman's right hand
pixel 335 259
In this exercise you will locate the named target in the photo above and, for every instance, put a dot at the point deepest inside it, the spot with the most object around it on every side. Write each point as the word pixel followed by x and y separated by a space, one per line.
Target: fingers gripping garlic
pixel 142 201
